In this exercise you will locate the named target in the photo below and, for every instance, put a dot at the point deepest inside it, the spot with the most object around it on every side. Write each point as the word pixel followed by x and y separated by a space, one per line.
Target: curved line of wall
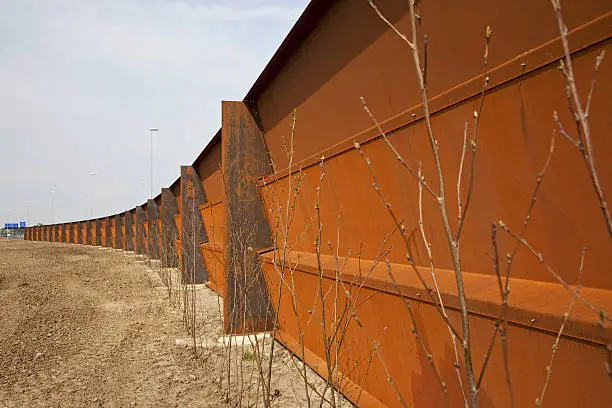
pixel 262 196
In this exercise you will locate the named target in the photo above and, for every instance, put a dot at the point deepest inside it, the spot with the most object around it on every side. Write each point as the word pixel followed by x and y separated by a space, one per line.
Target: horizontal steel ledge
pixel 532 304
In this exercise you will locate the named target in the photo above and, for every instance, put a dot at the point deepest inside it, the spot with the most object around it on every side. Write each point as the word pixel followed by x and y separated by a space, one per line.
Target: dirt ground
pixel 90 327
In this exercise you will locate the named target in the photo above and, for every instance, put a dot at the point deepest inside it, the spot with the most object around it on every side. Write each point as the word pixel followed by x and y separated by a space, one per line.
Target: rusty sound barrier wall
pixel 306 214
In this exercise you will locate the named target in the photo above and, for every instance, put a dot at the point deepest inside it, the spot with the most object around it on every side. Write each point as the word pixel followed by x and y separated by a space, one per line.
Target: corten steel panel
pixel 88 234
pixel 134 234
pixel 384 320
pixel 513 142
pixel 192 231
pixel 169 234
pixel 246 306
pixel 346 58
pixel 97 232
pixel 117 232
pixel 140 220
pixel 214 259
pixel 213 218
pixel 128 231
pixel 567 216
pixel 146 232
pixel 153 231
pixel 58 233
pixel 209 170
pixel 108 235
pixel 123 232
pixel 79 226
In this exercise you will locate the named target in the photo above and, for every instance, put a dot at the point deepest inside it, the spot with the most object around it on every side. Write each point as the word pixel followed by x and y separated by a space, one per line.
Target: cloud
pixel 82 80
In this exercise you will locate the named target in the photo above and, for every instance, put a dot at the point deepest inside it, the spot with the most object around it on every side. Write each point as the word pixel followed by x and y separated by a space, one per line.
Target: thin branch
pixel 582 114
pixel 477 115
pixel 538 255
pixel 433 277
pixel 459 175
pixel 555 346
pixel 410 258
pixel 398 156
pixel 441 200
pixel 391 26
pixel 598 61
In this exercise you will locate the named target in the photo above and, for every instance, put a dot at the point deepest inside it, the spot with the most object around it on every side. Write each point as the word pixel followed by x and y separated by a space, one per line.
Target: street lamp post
pixel 28 202
pixel 151 130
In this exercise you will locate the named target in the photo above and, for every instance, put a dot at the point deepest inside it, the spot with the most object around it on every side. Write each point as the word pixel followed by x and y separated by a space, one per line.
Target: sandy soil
pixel 89 327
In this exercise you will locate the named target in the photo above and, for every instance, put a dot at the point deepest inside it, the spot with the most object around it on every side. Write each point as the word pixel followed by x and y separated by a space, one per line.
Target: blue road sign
pixel 11 226
pixel 22 224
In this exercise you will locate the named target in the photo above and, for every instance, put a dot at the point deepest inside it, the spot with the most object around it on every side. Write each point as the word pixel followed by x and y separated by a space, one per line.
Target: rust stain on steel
pixel 246 305
pixel 192 231
pixel 213 251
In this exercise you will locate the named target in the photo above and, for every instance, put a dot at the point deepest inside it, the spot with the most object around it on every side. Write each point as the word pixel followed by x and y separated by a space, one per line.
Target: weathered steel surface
pixel 140 220
pixel 213 251
pixel 192 231
pixel 513 142
pixel 169 234
pixel 117 232
pixel 128 231
pixel 107 233
pixel 153 230
pixel 88 232
pixel 246 304
pixel 97 232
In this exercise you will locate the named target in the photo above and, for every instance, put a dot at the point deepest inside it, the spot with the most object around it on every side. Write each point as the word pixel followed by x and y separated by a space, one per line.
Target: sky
pixel 82 81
